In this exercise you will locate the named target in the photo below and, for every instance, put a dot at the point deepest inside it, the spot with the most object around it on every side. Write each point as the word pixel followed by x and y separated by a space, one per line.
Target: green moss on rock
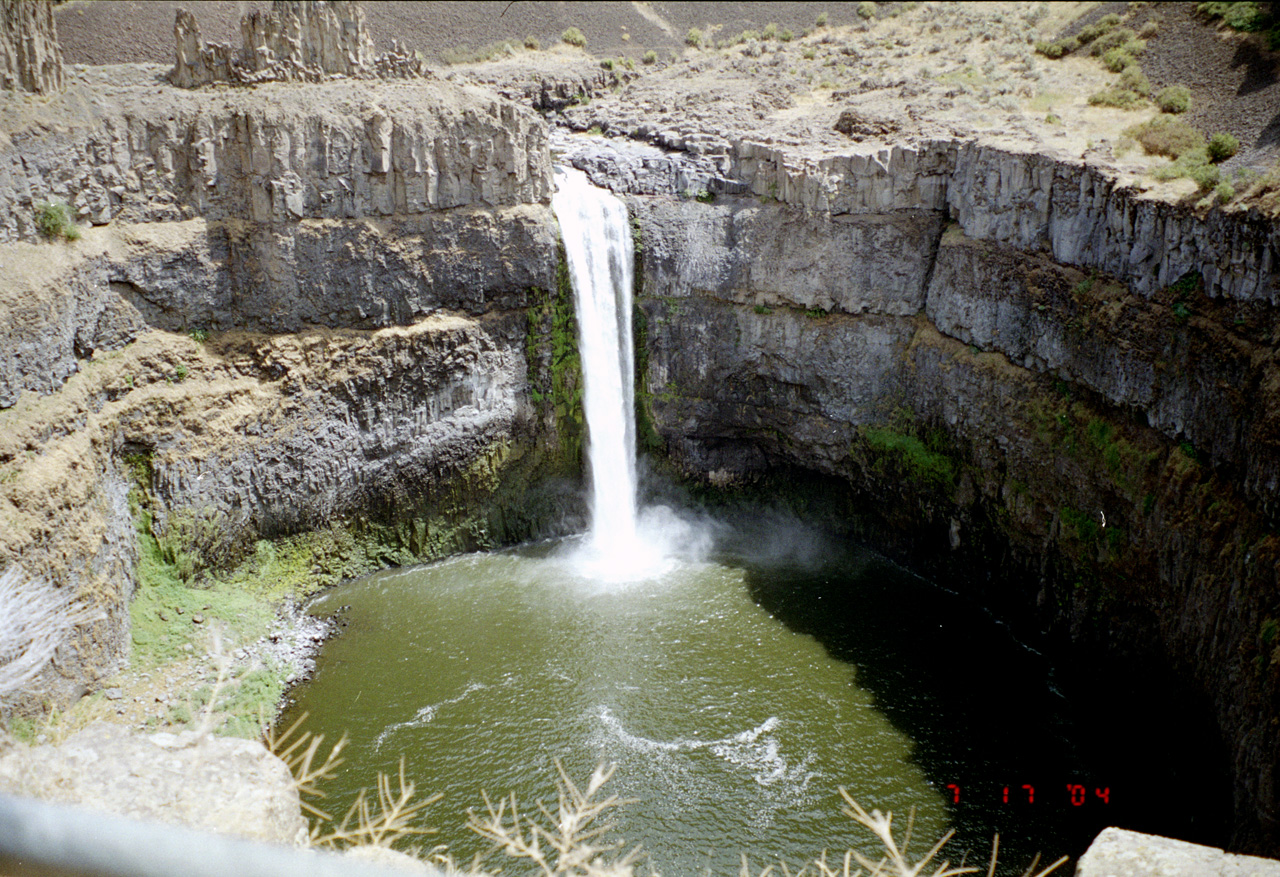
pixel 908 454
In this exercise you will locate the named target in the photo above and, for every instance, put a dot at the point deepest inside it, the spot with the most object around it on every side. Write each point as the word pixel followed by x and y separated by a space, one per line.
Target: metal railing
pixel 38 838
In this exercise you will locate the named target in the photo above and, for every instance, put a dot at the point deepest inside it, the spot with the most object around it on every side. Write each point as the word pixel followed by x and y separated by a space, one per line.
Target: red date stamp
pixel 1073 794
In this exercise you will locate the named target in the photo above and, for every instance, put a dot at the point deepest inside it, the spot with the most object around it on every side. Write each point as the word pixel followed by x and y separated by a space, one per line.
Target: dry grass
pixel 381 822
pixel 568 843
pixel 572 840
pixel 35 618
pixel 1264 193
pixel 299 750
pixel 378 820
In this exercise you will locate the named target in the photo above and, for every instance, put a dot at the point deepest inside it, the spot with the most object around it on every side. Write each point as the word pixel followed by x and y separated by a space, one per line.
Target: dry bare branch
pixel 379 824
pixel 565 843
pixel 298 749
pixel 881 825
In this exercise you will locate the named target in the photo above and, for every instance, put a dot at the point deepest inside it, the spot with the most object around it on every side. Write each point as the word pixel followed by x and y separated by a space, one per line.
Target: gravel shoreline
pixel 161 698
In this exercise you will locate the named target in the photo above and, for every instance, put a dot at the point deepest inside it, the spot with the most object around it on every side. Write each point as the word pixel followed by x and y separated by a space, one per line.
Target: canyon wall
pixel 286 312
pixel 30 57
pixel 1047 389
pixel 341 150
pixel 338 310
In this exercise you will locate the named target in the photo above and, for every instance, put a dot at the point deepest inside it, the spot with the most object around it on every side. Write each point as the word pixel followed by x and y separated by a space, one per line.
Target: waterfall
pixel 597 243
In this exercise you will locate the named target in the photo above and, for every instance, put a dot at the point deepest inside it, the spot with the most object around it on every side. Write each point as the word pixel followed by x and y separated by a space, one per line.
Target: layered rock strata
pixel 1030 379
pixel 298 40
pixel 340 150
pixel 327 328
pixel 30 58
pixel 338 304
pixel 211 277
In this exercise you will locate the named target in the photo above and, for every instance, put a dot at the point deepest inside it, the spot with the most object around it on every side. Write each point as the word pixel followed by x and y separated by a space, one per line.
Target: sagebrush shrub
pixel 1117 60
pixel 1119 38
pixel 1135 80
pixel 1222 146
pixel 1120 98
pixel 1058 48
pixel 1099 28
pixel 1165 135
pixel 54 220
pixel 1174 99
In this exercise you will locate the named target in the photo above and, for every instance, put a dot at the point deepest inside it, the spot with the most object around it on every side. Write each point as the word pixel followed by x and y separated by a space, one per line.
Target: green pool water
pixel 732 729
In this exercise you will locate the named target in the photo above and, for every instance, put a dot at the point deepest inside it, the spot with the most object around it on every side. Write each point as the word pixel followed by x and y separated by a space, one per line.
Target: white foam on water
pixel 756 751
pixel 426 715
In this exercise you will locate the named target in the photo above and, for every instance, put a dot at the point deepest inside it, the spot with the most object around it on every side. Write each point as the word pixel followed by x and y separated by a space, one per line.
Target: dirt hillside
pixel 1234 80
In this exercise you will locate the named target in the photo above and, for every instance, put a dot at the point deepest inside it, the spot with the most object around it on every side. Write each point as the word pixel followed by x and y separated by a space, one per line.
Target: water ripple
pixel 756 750
pixel 424 716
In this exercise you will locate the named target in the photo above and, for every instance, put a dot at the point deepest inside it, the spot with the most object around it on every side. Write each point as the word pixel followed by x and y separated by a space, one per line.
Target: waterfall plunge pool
pixel 736 689
pixel 732 731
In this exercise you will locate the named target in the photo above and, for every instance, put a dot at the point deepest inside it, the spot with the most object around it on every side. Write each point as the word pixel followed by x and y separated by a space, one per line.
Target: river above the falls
pixel 732 729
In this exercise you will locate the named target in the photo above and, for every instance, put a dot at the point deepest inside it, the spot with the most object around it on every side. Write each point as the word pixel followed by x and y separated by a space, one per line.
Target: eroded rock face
pixel 427 432
pixel 211 277
pixel 748 253
pixel 341 221
pixel 30 58
pixel 1013 366
pixel 341 150
pixel 549 84
pixel 361 422
pixel 1012 363
pixel 298 40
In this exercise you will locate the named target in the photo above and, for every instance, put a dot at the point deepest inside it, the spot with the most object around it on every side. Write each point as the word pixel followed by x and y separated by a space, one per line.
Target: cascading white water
pixel 624 543
pixel 597 242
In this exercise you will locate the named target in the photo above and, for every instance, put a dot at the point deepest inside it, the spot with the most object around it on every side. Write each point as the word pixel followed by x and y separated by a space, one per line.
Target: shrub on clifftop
pixel 1222 146
pixel 574 37
pixel 1165 135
